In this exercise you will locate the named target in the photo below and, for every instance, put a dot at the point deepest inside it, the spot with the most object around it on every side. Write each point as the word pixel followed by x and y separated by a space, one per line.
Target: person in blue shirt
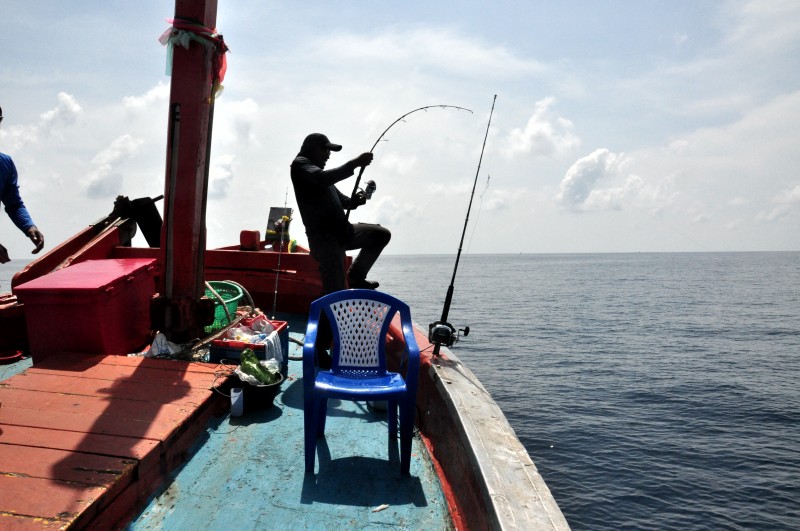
pixel 15 208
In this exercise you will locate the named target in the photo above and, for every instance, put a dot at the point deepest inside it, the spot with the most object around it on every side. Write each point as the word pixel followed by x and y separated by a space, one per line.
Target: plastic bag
pixel 162 347
pixel 262 325
pixel 263 374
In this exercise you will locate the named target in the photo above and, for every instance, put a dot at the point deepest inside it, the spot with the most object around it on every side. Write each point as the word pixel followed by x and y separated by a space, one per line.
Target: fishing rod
pixel 441 332
pixel 371 184
pixel 280 225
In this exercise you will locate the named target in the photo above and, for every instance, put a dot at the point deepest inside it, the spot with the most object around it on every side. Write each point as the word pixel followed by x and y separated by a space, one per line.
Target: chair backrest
pixel 359 320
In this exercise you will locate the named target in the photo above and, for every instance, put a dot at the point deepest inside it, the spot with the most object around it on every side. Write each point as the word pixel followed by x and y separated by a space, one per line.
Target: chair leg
pixel 391 411
pixel 321 411
pixel 310 432
pixel 406 436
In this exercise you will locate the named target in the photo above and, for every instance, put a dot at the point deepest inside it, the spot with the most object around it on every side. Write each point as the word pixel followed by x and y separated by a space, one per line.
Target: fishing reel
pixel 370 189
pixel 442 333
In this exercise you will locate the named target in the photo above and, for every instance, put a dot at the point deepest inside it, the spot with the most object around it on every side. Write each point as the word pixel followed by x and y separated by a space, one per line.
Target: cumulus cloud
pixel 401 165
pixel 545 133
pixel 577 190
pixel 235 122
pixel 497 200
pixel 221 176
pixel 104 180
pixel 64 114
pixel 155 95
pixel 51 122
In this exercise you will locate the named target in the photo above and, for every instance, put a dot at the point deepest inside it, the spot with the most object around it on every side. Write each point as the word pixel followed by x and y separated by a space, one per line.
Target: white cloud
pixel 765 26
pixel 786 203
pixel 577 190
pixel 221 175
pixel 445 50
pixel 51 122
pixel 105 180
pixel 235 122
pixel 545 133
pixel 738 201
pixel 155 95
pixel 401 165
pixel 64 114
pixel 789 196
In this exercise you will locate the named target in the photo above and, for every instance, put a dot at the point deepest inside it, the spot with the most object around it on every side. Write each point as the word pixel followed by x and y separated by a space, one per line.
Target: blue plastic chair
pixel 359 320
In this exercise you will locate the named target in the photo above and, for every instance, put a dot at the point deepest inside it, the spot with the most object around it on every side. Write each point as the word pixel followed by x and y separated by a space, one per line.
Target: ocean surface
pixel 653 391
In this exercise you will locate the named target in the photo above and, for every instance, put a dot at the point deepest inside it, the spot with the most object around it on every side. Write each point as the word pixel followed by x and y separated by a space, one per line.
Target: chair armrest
pixel 309 368
pixel 411 350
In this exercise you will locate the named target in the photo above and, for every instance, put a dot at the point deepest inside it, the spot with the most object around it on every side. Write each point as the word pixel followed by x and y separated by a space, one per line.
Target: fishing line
pixel 441 332
pixel 401 119
pixel 478 217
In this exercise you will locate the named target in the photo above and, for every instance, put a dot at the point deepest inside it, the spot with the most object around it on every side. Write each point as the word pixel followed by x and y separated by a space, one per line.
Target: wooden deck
pixel 84 441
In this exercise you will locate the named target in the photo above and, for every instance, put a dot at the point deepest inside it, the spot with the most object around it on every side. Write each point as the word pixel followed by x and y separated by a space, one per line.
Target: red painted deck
pixel 85 440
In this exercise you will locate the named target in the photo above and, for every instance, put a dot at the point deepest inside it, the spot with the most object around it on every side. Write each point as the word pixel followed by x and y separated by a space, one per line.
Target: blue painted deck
pixel 248 473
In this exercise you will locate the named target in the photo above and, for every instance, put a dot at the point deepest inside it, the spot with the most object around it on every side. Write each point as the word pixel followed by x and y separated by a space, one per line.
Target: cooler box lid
pixel 91 275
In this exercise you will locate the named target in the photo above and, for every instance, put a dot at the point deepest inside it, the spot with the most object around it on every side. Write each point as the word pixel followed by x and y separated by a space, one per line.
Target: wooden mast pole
pixel 179 310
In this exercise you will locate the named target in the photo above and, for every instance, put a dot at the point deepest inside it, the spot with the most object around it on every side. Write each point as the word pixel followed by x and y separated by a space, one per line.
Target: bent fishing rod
pixel 441 332
pixel 371 184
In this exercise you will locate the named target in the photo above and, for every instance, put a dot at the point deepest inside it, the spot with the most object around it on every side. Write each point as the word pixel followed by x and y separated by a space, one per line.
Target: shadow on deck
pixel 84 441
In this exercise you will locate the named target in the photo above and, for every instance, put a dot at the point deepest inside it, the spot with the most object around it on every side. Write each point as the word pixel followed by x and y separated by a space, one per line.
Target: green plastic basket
pixel 231 294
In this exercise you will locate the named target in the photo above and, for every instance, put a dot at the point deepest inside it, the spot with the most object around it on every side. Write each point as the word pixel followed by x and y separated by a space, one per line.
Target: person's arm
pixel 313 174
pixel 353 203
pixel 16 210
pixel 310 173
pixel 36 237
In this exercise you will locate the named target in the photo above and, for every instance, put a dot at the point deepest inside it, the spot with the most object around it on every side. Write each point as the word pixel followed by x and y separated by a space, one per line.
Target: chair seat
pixel 378 387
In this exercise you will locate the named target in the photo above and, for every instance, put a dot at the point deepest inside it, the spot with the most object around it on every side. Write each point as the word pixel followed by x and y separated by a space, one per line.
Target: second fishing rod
pixel 441 332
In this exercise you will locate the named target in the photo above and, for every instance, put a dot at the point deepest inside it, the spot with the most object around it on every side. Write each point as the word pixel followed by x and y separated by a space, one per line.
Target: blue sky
pixel 620 126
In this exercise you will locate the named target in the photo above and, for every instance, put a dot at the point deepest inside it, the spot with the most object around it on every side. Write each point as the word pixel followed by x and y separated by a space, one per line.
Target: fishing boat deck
pixel 87 441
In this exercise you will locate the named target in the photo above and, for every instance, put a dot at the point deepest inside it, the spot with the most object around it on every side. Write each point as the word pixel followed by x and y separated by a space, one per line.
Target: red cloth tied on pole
pixel 219 63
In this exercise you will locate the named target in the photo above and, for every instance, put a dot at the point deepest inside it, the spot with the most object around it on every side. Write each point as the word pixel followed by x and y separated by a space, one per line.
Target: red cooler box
pixel 94 307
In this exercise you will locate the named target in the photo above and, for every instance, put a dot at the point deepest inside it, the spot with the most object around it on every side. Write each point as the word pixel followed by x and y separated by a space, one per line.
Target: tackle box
pixel 230 349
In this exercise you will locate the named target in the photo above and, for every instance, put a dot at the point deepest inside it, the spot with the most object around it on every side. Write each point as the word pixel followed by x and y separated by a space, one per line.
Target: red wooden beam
pixel 179 310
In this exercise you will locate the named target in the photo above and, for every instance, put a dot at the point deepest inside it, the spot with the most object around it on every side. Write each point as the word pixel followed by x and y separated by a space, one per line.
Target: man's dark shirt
pixel 321 204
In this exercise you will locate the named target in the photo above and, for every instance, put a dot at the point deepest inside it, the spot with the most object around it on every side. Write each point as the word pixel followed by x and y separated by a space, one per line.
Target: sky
pixel 619 126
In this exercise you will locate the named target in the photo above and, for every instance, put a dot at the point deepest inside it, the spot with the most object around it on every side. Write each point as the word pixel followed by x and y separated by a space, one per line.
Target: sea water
pixel 653 391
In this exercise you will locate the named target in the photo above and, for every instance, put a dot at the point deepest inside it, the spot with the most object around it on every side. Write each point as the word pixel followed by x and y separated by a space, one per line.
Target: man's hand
pixel 37 238
pixel 4 255
pixel 360 198
pixel 363 160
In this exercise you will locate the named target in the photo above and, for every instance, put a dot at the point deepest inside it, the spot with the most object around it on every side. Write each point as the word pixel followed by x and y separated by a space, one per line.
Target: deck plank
pixel 46 463
pixel 103 389
pixel 85 439
pixel 107 424
pixel 63 501
pixel 88 405
pixel 134 373
pixel 123 447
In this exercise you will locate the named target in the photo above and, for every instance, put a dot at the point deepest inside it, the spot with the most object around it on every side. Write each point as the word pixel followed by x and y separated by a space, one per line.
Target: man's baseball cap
pixel 315 140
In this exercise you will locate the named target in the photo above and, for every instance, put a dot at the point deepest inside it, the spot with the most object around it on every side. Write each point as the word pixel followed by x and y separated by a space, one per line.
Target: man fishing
pixel 15 208
pixel 322 206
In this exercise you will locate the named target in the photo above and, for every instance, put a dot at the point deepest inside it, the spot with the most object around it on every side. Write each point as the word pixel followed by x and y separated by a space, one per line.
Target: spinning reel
pixel 443 333
pixel 370 189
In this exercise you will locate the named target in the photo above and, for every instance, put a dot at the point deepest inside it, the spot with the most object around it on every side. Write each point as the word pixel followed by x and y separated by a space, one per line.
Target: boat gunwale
pixel 511 494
